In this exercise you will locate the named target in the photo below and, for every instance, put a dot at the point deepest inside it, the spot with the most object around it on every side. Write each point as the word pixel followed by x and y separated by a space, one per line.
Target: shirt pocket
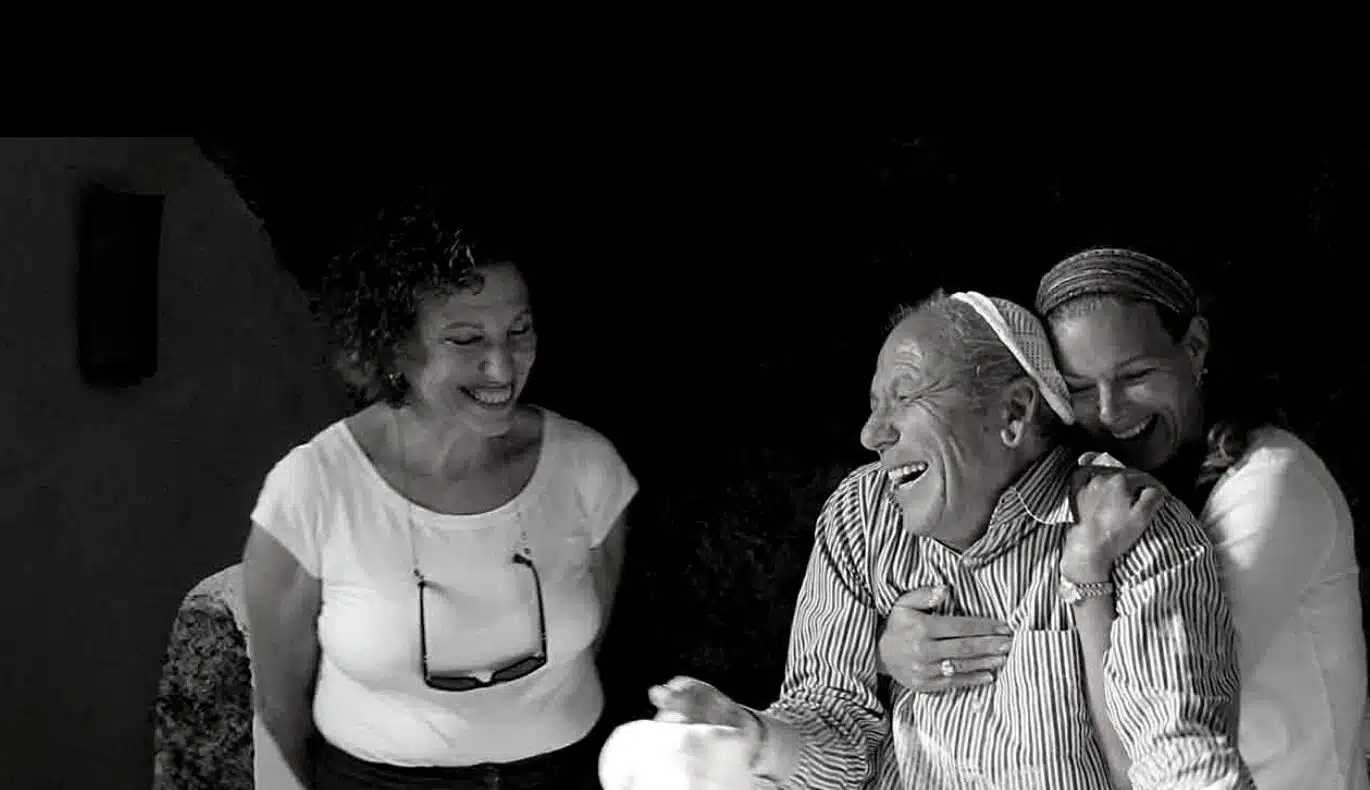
pixel 1040 698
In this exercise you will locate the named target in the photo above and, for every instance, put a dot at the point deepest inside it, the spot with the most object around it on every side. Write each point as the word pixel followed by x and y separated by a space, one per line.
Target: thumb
pixel 1148 503
pixel 1099 459
pixel 922 598
pixel 686 700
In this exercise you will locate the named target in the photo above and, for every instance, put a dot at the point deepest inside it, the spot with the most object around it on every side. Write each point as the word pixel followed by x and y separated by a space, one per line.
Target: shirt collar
pixel 1042 492
pixel 1040 496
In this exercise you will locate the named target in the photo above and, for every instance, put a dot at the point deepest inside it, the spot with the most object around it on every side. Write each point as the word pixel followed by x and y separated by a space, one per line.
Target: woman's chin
pixel 498 425
pixel 484 421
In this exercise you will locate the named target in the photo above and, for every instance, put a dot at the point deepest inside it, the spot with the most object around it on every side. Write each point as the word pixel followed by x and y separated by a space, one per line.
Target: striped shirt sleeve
pixel 823 732
pixel 1172 682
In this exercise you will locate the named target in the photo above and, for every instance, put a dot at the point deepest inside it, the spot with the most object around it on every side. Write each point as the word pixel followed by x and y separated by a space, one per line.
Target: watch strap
pixel 1076 591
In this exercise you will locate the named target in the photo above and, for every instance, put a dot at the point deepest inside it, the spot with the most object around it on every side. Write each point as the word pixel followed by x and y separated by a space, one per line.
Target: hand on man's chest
pixel 1018 585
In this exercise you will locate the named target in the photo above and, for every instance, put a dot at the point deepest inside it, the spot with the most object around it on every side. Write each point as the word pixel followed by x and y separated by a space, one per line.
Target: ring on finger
pixel 947 667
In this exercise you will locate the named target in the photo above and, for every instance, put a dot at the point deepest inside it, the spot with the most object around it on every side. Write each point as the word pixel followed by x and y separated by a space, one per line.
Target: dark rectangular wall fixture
pixel 121 236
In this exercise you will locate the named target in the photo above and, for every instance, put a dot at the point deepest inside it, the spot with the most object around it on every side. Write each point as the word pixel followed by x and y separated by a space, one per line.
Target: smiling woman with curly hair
pixel 428 578
pixel 369 296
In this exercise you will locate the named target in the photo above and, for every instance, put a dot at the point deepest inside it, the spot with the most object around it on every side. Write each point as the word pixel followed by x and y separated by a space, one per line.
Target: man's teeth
pixel 497 396
pixel 907 473
pixel 1137 431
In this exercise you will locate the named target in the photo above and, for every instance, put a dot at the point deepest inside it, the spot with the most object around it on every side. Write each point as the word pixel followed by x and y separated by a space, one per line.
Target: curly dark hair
pixel 368 295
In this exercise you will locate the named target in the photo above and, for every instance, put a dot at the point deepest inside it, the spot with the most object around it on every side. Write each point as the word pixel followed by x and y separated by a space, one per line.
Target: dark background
pixel 717 270
pixel 727 208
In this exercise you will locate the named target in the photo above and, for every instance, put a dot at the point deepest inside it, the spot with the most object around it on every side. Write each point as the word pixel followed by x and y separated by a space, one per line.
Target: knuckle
pixel 985 665
pixel 983 646
pixel 971 666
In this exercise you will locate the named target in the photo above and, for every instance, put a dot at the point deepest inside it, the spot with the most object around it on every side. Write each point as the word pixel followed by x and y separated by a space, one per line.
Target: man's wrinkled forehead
pixel 913 345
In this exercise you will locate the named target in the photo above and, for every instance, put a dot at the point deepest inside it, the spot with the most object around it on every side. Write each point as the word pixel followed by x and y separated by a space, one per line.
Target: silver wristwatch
pixel 1072 593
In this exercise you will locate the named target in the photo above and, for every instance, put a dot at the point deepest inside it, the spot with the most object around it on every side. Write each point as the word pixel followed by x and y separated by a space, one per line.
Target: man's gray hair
pixel 980 365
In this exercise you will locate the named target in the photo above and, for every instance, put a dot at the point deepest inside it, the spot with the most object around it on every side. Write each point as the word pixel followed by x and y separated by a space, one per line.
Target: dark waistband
pixel 579 756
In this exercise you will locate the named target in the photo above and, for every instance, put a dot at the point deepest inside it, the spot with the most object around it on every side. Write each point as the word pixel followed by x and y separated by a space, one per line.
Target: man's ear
pixel 1195 342
pixel 1021 402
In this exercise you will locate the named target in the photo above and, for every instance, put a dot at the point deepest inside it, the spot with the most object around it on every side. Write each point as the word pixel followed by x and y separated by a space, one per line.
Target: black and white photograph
pixel 617 402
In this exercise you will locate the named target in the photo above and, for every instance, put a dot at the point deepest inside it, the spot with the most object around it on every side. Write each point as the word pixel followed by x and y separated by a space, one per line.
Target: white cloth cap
pixel 1025 337
pixel 655 755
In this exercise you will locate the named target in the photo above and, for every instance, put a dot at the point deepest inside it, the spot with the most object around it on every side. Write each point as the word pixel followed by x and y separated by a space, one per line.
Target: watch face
pixel 1069 592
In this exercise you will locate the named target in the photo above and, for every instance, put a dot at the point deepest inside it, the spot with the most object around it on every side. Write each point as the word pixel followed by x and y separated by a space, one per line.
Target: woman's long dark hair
pixel 1237 401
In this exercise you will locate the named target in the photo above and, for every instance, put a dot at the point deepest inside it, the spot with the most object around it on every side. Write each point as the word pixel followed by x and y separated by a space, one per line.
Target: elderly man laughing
pixel 973 494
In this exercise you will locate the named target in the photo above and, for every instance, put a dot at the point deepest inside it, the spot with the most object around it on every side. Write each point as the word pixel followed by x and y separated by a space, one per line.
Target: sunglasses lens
pixel 527 666
pixel 460 683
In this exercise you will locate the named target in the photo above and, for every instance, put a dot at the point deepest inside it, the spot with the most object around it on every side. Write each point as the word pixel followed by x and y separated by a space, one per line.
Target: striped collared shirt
pixel 1171 671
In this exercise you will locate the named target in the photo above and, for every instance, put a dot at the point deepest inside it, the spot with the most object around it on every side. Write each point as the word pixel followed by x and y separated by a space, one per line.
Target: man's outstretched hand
pixel 700 739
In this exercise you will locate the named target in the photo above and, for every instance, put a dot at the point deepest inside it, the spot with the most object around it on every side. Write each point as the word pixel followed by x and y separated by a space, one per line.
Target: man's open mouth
pixel 907 474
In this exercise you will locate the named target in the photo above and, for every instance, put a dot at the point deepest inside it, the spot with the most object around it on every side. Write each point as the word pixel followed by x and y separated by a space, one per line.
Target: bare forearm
pixel 283 603
pixel 1094 618
pixel 286 676
pixel 291 729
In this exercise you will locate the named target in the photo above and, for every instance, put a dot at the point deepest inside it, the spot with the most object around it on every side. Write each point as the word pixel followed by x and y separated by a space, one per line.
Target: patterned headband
pixel 1116 272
